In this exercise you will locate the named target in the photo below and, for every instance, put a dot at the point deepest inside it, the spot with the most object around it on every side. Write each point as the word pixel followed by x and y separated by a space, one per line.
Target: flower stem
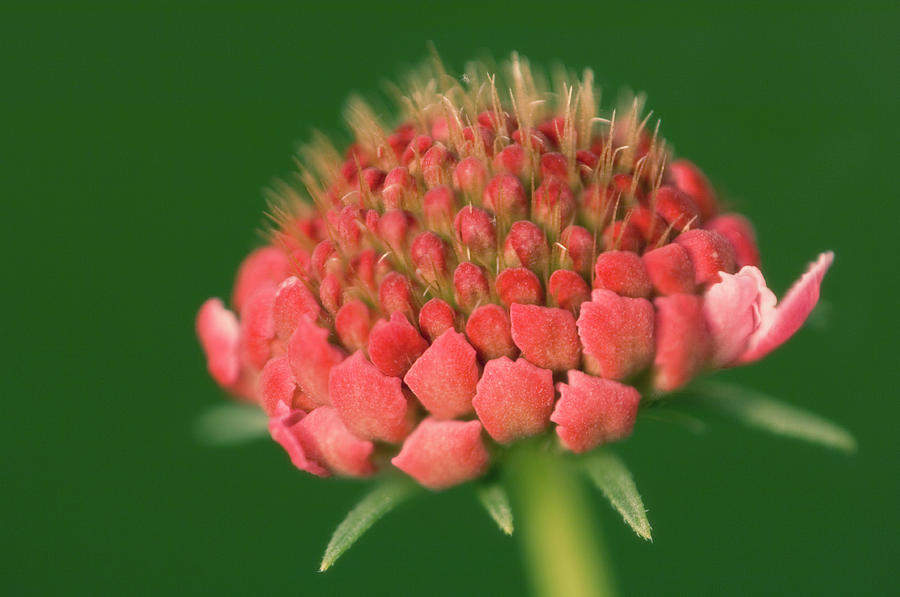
pixel 559 534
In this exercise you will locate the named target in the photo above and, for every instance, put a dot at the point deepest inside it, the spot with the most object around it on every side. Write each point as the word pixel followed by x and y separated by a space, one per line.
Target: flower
pixel 489 270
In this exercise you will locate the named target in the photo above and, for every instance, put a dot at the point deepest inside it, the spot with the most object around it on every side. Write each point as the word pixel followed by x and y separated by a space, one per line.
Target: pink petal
pixel 283 427
pixel 440 454
pixel 395 345
pixel 732 312
pixel 682 340
pixel 258 326
pixel 445 376
pixel 617 333
pixel 262 266
pixel 568 290
pixel 778 325
pixel 312 358
pixel 371 404
pixel 327 442
pixel 592 411
pixel 546 336
pixel 293 300
pixel 219 333
pixel 436 317
pixel 514 399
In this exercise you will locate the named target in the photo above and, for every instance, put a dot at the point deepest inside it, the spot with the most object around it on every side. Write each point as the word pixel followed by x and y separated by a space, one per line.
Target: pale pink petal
pixel 779 324
pixel 312 358
pixel 440 454
pixel 444 377
pixel 219 333
pixel 514 399
pixel 592 411
pixel 731 308
pixel 371 404
pixel 327 442
pixel 283 427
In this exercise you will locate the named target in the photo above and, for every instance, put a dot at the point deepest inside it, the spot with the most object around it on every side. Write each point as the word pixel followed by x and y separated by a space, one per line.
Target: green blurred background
pixel 136 141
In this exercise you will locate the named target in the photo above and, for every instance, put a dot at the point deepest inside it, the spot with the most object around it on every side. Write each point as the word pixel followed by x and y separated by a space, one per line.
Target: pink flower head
pixel 484 272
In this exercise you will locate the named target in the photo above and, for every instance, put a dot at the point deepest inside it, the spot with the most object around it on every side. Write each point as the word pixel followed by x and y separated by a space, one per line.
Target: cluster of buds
pixel 487 271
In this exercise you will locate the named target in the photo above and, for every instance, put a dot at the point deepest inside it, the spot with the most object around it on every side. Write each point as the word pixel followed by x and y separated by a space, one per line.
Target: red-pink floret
pixel 439 299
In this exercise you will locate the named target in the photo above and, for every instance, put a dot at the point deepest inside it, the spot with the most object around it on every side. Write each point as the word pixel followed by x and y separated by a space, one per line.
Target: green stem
pixel 559 532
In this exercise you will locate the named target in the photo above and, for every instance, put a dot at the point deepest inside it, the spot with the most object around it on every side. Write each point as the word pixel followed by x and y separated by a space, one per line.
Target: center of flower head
pixel 502 259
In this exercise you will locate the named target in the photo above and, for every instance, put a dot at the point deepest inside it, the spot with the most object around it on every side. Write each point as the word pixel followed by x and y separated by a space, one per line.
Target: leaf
pixel 761 411
pixel 231 423
pixel 613 478
pixel 494 499
pixel 381 500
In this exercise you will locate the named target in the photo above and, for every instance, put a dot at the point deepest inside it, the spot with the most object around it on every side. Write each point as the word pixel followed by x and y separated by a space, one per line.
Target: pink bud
pixel 676 208
pixel 526 246
pixel 393 228
pixel 470 176
pixel 593 411
pixel 505 196
pixel 395 345
pixel 478 139
pixel 691 180
pixel 436 164
pixel 331 293
pixel 511 159
pixel 554 129
pixel 554 164
pixel 623 236
pixel 739 232
pixel 470 286
pixel 363 268
pixel 617 333
pixel 438 206
pixel 219 333
pixel 580 247
pixel 435 318
pixel 371 404
pixel 519 285
pixel 429 254
pixel 587 162
pixel 653 228
pixel 514 399
pixel 475 230
pixel 440 454
pixel 398 184
pixel 622 272
pixel 533 139
pixel 710 253
pixel 682 340
pixel 546 336
pixel 312 358
pixel 324 259
pixel 416 149
pixel 395 295
pixel 267 265
pixel 568 290
pixel 670 269
pixel 488 330
pixel 444 377
pixel 553 205
pixel 352 324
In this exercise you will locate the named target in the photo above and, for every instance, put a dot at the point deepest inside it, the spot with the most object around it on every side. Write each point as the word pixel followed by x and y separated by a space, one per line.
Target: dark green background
pixel 135 144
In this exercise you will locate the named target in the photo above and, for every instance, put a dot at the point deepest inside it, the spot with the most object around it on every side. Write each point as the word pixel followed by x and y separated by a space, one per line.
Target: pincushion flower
pixel 503 267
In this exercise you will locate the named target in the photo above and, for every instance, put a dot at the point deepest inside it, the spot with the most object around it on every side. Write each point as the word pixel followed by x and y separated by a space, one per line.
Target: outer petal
pixel 395 345
pixel 312 358
pixel 276 384
pixel 283 428
pixel 445 376
pixel 682 340
pixel 739 232
pixel 593 411
pixel 262 266
pixel 219 333
pixel 328 442
pixel 293 300
pixel 257 326
pixel 371 404
pixel 617 333
pixel 778 325
pixel 546 336
pixel 440 454
pixel 514 399
pixel 732 312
